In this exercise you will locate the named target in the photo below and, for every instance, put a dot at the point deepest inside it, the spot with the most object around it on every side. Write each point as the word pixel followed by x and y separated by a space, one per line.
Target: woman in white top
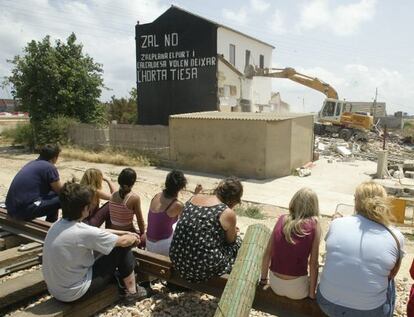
pixel 361 257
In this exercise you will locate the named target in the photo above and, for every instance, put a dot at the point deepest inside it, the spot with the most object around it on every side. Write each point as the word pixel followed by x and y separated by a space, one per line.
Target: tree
pixel 123 110
pixel 55 80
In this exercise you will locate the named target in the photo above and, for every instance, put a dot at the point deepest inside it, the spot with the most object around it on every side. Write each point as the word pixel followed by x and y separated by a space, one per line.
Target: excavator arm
pixel 292 74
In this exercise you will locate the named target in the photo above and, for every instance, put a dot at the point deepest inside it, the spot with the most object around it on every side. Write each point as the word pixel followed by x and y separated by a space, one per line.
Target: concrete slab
pixel 334 184
pixel 409 174
pixel 398 187
pixel 344 151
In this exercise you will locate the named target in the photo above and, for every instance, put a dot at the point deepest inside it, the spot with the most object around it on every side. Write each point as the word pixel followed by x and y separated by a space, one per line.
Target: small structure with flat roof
pixel 249 145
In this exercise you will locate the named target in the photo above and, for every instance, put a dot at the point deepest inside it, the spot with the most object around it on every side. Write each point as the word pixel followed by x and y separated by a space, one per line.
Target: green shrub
pixel 54 130
pixel 20 135
pixel 408 131
pixel 251 211
pixel 408 124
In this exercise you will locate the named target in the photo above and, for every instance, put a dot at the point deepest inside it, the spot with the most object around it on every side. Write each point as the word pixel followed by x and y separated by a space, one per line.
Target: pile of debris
pixel 338 149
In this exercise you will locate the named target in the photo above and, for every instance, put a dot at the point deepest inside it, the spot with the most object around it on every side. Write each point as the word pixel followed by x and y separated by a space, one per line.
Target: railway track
pixel 29 285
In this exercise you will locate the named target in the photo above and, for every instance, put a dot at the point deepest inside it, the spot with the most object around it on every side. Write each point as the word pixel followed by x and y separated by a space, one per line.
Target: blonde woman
pixel 292 247
pixel 93 178
pixel 362 256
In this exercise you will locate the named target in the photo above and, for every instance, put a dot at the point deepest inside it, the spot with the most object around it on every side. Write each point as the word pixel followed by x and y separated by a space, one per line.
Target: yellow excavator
pixel 336 116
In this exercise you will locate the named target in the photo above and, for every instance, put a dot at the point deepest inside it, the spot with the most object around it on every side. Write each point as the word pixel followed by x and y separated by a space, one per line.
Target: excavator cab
pixel 331 110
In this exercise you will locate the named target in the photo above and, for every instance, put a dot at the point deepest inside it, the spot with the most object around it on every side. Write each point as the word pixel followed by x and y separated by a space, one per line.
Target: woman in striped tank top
pixel 125 204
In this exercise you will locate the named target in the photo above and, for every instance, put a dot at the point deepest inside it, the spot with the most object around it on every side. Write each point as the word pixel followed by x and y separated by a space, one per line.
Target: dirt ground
pixel 146 187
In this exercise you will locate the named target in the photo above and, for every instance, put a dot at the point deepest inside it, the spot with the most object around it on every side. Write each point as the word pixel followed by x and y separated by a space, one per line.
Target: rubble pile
pixel 340 150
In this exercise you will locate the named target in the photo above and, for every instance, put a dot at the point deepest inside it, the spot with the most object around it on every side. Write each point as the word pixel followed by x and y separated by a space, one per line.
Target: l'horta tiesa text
pixel 168 65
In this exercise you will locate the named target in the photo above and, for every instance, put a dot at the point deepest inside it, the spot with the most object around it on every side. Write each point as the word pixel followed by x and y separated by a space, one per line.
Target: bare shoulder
pixel 175 209
pixel 103 195
pixel 205 200
pixel 134 198
pixel 177 204
pixel 229 216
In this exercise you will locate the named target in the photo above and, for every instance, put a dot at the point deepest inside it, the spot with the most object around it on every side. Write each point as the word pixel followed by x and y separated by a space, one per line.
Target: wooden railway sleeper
pixel 22 265
pixel 28 246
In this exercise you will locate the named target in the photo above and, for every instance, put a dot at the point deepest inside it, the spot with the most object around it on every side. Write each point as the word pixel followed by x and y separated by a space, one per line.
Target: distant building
pixel 8 105
pixel 278 105
pixel 186 63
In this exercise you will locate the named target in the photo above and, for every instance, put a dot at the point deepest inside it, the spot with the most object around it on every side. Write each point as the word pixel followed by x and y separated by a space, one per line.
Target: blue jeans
pixel 47 205
pixel 334 310
pixel 103 269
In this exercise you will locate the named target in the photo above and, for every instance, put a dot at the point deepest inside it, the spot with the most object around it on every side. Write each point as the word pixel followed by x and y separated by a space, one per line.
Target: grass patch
pixel 251 211
pixel 109 156
pixel 408 129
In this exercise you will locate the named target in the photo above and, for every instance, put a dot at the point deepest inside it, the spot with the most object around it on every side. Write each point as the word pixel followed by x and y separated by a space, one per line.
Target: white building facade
pixel 240 50
pixel 187 63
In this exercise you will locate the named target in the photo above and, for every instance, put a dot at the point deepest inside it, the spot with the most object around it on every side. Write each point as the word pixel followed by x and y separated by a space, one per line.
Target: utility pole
pixel 375 102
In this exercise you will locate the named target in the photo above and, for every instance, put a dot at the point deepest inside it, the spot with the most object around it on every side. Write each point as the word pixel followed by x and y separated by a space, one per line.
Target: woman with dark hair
pixel 124 204
pixel 34 190
pixel 205 241
pixel 164 210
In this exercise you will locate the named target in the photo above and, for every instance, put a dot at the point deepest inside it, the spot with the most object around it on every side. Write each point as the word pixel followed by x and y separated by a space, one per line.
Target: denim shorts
pixel 334 310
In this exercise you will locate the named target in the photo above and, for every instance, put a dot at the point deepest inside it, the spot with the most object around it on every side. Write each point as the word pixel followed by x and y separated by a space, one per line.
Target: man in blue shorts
pixel 33 191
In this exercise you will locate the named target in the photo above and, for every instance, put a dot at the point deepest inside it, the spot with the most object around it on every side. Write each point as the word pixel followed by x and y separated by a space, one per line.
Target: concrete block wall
pixel 150 138
pixel 391 122
pixel 90 136
pixel 232 144
pixel 153 139
pixel 129 136
pixel 226 147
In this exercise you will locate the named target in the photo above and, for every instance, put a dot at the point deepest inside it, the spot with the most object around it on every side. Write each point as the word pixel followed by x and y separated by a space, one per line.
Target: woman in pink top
pixel 293 245
pixel 163 213
pixel 125 204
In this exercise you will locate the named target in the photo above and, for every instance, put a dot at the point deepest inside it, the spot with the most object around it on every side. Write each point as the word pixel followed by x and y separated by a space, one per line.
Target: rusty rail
pixel 161 267
pixel 35 230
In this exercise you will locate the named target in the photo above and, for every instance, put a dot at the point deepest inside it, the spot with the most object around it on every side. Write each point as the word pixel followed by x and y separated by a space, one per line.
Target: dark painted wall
pixel 176 66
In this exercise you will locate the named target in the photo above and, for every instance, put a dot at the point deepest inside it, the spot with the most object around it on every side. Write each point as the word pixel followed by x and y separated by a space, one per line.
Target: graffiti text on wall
pixel 168 65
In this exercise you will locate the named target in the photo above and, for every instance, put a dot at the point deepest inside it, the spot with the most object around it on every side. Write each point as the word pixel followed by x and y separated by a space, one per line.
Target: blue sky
pixel 356 45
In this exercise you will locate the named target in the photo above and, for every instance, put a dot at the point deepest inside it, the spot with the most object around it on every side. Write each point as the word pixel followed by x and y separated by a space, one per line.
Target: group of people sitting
pixel 363 251
pixel 363 254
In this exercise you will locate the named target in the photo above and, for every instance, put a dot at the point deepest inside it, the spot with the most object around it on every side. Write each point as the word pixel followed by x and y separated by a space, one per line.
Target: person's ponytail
pixel 124 190
pixel 126 181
